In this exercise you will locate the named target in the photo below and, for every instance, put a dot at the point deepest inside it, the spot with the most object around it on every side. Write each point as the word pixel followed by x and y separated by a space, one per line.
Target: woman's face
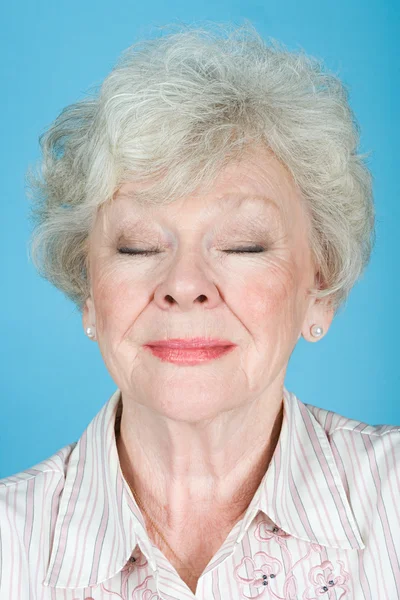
pixel 191 286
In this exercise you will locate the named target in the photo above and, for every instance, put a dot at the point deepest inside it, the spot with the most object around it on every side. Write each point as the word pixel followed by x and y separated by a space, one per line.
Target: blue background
pixel 53 380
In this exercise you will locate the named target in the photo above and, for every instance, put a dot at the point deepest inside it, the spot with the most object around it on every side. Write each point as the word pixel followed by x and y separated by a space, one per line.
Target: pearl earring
pixel 90 332
pixel 316 331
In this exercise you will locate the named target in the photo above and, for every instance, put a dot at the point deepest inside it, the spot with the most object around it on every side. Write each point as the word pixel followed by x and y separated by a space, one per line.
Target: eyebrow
pixel 250 224
pixel 241 199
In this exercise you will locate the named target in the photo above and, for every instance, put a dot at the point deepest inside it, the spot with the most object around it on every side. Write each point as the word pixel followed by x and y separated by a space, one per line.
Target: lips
pixel 190 343
pixel 189 356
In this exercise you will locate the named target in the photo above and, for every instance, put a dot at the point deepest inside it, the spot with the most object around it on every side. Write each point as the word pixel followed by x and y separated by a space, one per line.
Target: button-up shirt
pixel 324 522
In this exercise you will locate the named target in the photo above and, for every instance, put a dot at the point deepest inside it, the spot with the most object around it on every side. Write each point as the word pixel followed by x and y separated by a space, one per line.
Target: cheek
pixel 115 299
pixel 272 292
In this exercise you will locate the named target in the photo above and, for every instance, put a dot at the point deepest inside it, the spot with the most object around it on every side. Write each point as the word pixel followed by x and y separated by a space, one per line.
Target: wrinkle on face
pixel 200 436
pixel 260 300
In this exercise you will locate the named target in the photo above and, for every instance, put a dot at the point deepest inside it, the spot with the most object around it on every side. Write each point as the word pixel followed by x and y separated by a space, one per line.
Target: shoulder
pixel 367 456
pixel 31 492
pixel 335 423
pixel 29 506
pixel 55 464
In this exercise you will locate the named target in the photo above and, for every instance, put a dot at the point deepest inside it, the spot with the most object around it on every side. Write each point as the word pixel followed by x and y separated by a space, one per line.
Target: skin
pixel 196 440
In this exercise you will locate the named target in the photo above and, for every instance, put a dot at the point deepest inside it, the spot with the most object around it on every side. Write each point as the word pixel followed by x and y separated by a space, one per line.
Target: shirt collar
pixel 99 524
pixel 302 491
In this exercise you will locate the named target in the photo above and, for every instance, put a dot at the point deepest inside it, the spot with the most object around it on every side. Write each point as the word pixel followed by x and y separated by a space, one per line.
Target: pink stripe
pixel 300 509
pixel 120 504
pixel 12 549
pixel 393 469
pixel 216 594
pixel 229 569
pixel 22 554
pixel 340 466
pixel 279 476
pixel 54 509
pixel 60 555
pixel 104 509
pixel 113 555
pixel 317 492
pixel 52 463
pixel 328 475
pixel 41 553
pixel 30 490
pixel 393 556
pixel 301 545
pixel 80 553
pixel 359 478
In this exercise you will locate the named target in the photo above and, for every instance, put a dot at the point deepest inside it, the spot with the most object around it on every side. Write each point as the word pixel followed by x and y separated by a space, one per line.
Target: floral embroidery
pixel 263 533
pixel 263 571
pixel 132 564
pixel 257 572
pixel 324 581
pixel 142 592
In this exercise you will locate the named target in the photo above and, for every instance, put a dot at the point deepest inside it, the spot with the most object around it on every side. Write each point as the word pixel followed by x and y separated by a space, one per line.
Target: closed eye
pixel 251 250
pixel 136 252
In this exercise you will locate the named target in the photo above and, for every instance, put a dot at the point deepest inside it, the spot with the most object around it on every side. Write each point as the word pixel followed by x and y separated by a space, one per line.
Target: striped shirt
pixel 324 522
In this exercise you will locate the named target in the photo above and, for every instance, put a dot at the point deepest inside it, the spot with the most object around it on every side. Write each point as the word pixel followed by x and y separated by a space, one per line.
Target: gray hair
pixel 173 112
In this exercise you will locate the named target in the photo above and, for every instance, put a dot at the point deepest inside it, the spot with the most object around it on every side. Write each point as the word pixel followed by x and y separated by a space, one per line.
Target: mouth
pixel 185 343
pixel 190 352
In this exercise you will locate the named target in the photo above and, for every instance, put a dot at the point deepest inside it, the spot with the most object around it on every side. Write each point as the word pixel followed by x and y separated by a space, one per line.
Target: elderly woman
pixel 205 209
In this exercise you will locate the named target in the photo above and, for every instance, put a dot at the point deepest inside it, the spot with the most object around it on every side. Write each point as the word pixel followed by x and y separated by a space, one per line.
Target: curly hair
pixel 175 110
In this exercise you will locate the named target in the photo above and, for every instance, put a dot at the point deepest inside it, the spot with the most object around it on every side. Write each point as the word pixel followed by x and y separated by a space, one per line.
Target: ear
pixel 320 313
pixel 89 315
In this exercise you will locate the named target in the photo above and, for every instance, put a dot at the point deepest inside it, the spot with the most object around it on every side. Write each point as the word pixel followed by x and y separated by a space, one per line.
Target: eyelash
pixel 249 250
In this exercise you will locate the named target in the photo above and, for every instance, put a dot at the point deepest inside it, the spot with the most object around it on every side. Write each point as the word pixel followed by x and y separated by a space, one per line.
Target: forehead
pixel 257 184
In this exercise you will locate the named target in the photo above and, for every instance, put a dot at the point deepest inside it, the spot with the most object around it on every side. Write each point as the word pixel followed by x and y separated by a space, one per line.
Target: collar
pixel 99 524
pixel 302 491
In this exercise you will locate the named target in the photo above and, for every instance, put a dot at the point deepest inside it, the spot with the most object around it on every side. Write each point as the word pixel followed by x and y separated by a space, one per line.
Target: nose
pixel 188 282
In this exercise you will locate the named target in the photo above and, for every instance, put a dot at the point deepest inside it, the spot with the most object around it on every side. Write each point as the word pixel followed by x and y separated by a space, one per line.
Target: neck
pixel 208 471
